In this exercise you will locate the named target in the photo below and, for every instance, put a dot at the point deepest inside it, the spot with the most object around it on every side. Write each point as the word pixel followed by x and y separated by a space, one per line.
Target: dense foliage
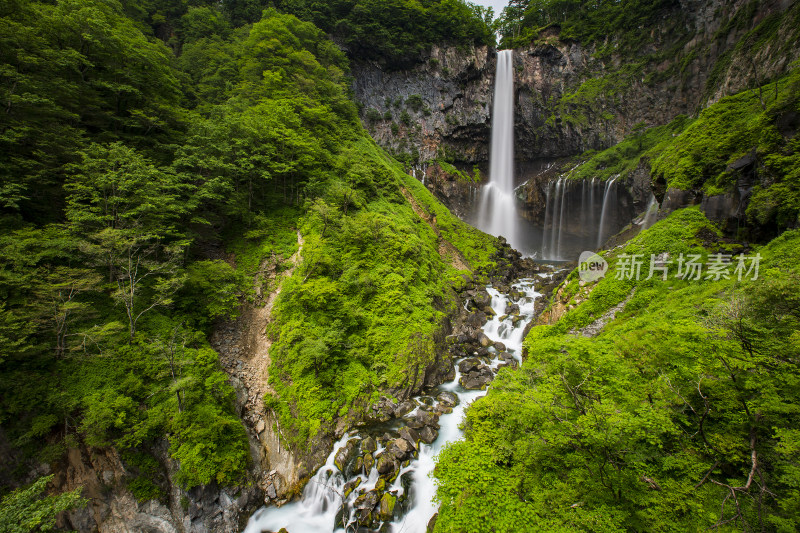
pixel 585 21
pixel 140 194
pixel 397 32
pixel 26 510
pixel 680 415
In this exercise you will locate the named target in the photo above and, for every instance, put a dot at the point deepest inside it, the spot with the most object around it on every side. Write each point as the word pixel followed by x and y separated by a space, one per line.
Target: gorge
pixel 308 265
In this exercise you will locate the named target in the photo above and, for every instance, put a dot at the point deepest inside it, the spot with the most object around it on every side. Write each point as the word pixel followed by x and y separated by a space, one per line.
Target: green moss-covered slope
pixel 680 415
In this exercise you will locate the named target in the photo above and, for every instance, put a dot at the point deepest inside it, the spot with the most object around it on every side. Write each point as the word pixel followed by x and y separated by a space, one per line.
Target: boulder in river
pixel 368 445
pixel 484 341
pixel 400 448
pixel 428 435
pixel 468 365
pixel 448 398
pixel 386 508
pixel 477 379
pixel 423 418
pixel 409 434
pixel 386 463
pixel 369 462
pixel 344 455
pixel 506 360
pixel 403 408
pixel 350 486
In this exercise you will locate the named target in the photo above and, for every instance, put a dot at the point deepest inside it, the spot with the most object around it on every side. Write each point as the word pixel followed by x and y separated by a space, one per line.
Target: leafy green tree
pixel 128 211
pixel 25 510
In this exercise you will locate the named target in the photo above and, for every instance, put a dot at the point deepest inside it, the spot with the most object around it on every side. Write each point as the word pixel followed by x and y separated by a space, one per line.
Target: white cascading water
pixel 602 233
pixel 651 213
pixel 322 499
pixel 498 209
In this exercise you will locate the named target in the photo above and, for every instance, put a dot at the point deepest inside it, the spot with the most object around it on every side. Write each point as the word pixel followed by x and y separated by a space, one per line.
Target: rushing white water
pixel 498 209
pixel 323 497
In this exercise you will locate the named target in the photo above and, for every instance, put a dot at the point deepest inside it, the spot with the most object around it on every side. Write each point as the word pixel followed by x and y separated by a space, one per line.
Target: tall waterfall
pixel 498 211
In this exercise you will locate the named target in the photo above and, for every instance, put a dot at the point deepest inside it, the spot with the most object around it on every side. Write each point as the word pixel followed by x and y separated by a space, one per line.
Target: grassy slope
pixel 599 434
pixel 696 153
pixel 359 315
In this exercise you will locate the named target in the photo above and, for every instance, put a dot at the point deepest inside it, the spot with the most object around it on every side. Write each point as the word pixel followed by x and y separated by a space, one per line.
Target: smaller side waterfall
pixel 561 219
pixel 609 199
pixel 651 213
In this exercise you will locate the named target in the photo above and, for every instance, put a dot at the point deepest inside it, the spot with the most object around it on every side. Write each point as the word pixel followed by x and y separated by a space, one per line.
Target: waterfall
pixel 497 213
pixel 607 195
pixel 651 213
pixel 547 218
pixel 584 202
pixel 556 220
pixel 564 198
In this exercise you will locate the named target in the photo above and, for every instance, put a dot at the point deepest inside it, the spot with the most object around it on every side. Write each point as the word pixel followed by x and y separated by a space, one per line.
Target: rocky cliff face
pixel 113 508
pixel 440 107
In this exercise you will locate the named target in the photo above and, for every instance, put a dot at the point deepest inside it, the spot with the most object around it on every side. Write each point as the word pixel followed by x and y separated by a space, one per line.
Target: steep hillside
pixel 161 211
pixel 659 404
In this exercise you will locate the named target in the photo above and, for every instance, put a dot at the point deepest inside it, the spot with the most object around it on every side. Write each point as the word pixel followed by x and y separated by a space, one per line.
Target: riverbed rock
pixel 432 523
pixel 468 365
pixel 484 341
pixel 506 360
pixel 403 408
pixel 386 463
pixel 344 455
pixel 428 435
pixel 365 505
pixel 368 500
pixel 423 418
pixel 511 309
pixel 410 435
pixel 499 346
pixel 477 379
pixel 350 486
pixel 450 375
pixel 448 398
pixel 368 445
pixel 386 508
pixel 369 462
pixel 400 448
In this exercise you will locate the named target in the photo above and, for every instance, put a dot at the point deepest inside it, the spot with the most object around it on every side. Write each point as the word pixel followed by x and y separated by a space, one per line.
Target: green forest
pixel 164 164
pixel 144 182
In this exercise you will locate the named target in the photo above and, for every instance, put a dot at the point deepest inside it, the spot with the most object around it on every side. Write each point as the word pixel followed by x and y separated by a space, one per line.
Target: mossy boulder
pixel 387 505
